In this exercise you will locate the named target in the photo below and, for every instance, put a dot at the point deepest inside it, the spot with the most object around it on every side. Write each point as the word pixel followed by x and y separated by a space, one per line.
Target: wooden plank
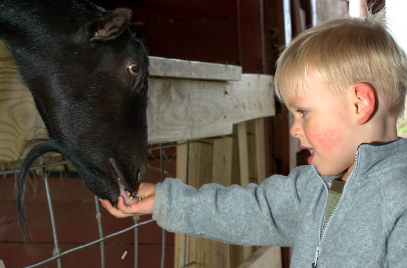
pixel 187 109
pixel 221 174
pixel 243 154
pixel 165 67
pixel 260 149
pixel 236 257
pixel 222 161
pixel 181 173
pixel 252 156
pixel 269 257
pixel 244 251
pixel 199 173
pixel 257 162
pixel 252 97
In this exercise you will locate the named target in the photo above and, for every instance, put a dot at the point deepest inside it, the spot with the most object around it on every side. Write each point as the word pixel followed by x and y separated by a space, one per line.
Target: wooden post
pixel 240 253
pixel 264 257
pixel 236 252
pixel 259 136
pixel 209 161
pixel 199 173
pixel 181 173
pixel 243 154
pixel 221 174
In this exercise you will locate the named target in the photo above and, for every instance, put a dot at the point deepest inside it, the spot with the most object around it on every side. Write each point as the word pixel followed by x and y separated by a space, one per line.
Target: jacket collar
pixel 369 155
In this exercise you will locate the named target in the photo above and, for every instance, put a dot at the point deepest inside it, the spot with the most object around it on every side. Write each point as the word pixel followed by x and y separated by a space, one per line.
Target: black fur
pixel 73 57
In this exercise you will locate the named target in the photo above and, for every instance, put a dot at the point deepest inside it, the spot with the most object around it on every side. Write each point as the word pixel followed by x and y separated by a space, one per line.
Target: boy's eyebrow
pixel 296 103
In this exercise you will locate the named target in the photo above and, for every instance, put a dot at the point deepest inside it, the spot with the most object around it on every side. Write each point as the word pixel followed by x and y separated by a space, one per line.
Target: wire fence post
pixel 51 212
pixel 136 218
pixel 102 245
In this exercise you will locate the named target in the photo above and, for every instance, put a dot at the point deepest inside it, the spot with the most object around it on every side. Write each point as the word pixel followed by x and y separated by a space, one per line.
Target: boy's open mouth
pixel 309 149
pixel 309 160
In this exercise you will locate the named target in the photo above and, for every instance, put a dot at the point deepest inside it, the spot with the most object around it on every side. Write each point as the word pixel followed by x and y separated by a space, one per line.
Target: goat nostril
pixel 141 171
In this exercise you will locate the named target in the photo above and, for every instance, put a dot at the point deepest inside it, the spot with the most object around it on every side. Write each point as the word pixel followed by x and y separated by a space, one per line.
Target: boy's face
pixel 323 122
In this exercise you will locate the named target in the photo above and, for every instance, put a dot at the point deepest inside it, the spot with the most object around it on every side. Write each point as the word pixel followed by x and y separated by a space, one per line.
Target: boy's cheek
pixel 324 139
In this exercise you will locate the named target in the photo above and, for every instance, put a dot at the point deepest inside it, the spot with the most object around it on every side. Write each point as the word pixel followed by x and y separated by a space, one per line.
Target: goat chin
pixel 39 148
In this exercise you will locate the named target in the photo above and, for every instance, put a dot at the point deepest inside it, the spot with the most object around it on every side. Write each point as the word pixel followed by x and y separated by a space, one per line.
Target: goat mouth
pixel 129 198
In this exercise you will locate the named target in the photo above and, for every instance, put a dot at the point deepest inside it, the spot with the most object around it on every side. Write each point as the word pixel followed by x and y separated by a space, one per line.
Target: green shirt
pixel 334 194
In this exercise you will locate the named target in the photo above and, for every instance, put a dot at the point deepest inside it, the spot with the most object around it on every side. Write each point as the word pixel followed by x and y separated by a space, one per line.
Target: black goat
pixel 88 75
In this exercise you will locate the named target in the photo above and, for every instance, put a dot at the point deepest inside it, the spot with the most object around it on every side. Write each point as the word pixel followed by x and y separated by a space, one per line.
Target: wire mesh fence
pixel 57 254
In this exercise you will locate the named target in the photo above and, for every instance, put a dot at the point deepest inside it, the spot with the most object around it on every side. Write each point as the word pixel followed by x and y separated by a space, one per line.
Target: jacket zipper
pixel 321 224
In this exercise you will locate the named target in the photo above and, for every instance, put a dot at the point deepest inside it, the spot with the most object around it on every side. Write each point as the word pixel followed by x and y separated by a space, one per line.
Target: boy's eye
pixel 303 112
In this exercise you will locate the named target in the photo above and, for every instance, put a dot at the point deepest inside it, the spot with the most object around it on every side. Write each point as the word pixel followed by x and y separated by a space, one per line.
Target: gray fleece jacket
pixel 367 229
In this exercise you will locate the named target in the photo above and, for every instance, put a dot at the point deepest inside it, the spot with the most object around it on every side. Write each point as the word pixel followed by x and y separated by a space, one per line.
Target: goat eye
pixel 134 69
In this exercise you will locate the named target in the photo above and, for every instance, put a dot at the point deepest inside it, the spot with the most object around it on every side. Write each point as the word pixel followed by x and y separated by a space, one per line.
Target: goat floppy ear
pixel 109 26
pixel 365 102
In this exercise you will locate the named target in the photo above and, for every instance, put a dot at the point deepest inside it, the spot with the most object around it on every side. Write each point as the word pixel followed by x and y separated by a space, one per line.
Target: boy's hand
pixel 145 206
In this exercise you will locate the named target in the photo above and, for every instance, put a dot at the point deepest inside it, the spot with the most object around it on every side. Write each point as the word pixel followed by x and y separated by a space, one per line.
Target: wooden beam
pixel 181 109
pixel 269 257
pixel 243 154
pixel 252 97
pixel 199 173
pixel 181 173
pixel 222 161
pixel 260 149
pixel 164 67
pixel 243 252
pixel 178 108
pixel 221 174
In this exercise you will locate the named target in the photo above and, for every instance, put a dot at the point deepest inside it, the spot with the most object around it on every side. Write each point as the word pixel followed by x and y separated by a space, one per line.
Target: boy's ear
pixel 365 102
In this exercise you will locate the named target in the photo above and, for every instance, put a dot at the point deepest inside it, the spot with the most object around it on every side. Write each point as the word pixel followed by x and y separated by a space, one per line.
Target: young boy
pixel 345 84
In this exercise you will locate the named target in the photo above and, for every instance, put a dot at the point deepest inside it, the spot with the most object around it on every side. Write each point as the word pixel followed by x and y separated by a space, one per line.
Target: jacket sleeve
pixel 397 244
pixel 264 214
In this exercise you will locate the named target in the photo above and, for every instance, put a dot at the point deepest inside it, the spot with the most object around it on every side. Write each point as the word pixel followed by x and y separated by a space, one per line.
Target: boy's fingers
pixel 142 207
pixel 112 210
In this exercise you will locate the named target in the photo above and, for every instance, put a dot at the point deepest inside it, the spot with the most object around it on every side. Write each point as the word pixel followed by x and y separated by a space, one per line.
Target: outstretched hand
pixel 146 192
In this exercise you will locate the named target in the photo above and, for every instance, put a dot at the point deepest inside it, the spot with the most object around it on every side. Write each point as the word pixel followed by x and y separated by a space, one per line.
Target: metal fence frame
pixel 57 254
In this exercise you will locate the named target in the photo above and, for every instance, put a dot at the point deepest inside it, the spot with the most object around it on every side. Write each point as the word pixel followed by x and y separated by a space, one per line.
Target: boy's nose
pixel 296 130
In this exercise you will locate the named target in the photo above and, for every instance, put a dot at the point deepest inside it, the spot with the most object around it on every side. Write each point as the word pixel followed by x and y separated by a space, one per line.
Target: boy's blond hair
pixel 344 52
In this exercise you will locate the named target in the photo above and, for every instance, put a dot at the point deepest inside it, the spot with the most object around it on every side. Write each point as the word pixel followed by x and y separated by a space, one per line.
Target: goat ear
pixel 109 26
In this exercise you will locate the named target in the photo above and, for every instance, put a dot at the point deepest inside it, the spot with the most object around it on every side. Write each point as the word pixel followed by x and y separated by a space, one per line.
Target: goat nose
pixel 141 171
